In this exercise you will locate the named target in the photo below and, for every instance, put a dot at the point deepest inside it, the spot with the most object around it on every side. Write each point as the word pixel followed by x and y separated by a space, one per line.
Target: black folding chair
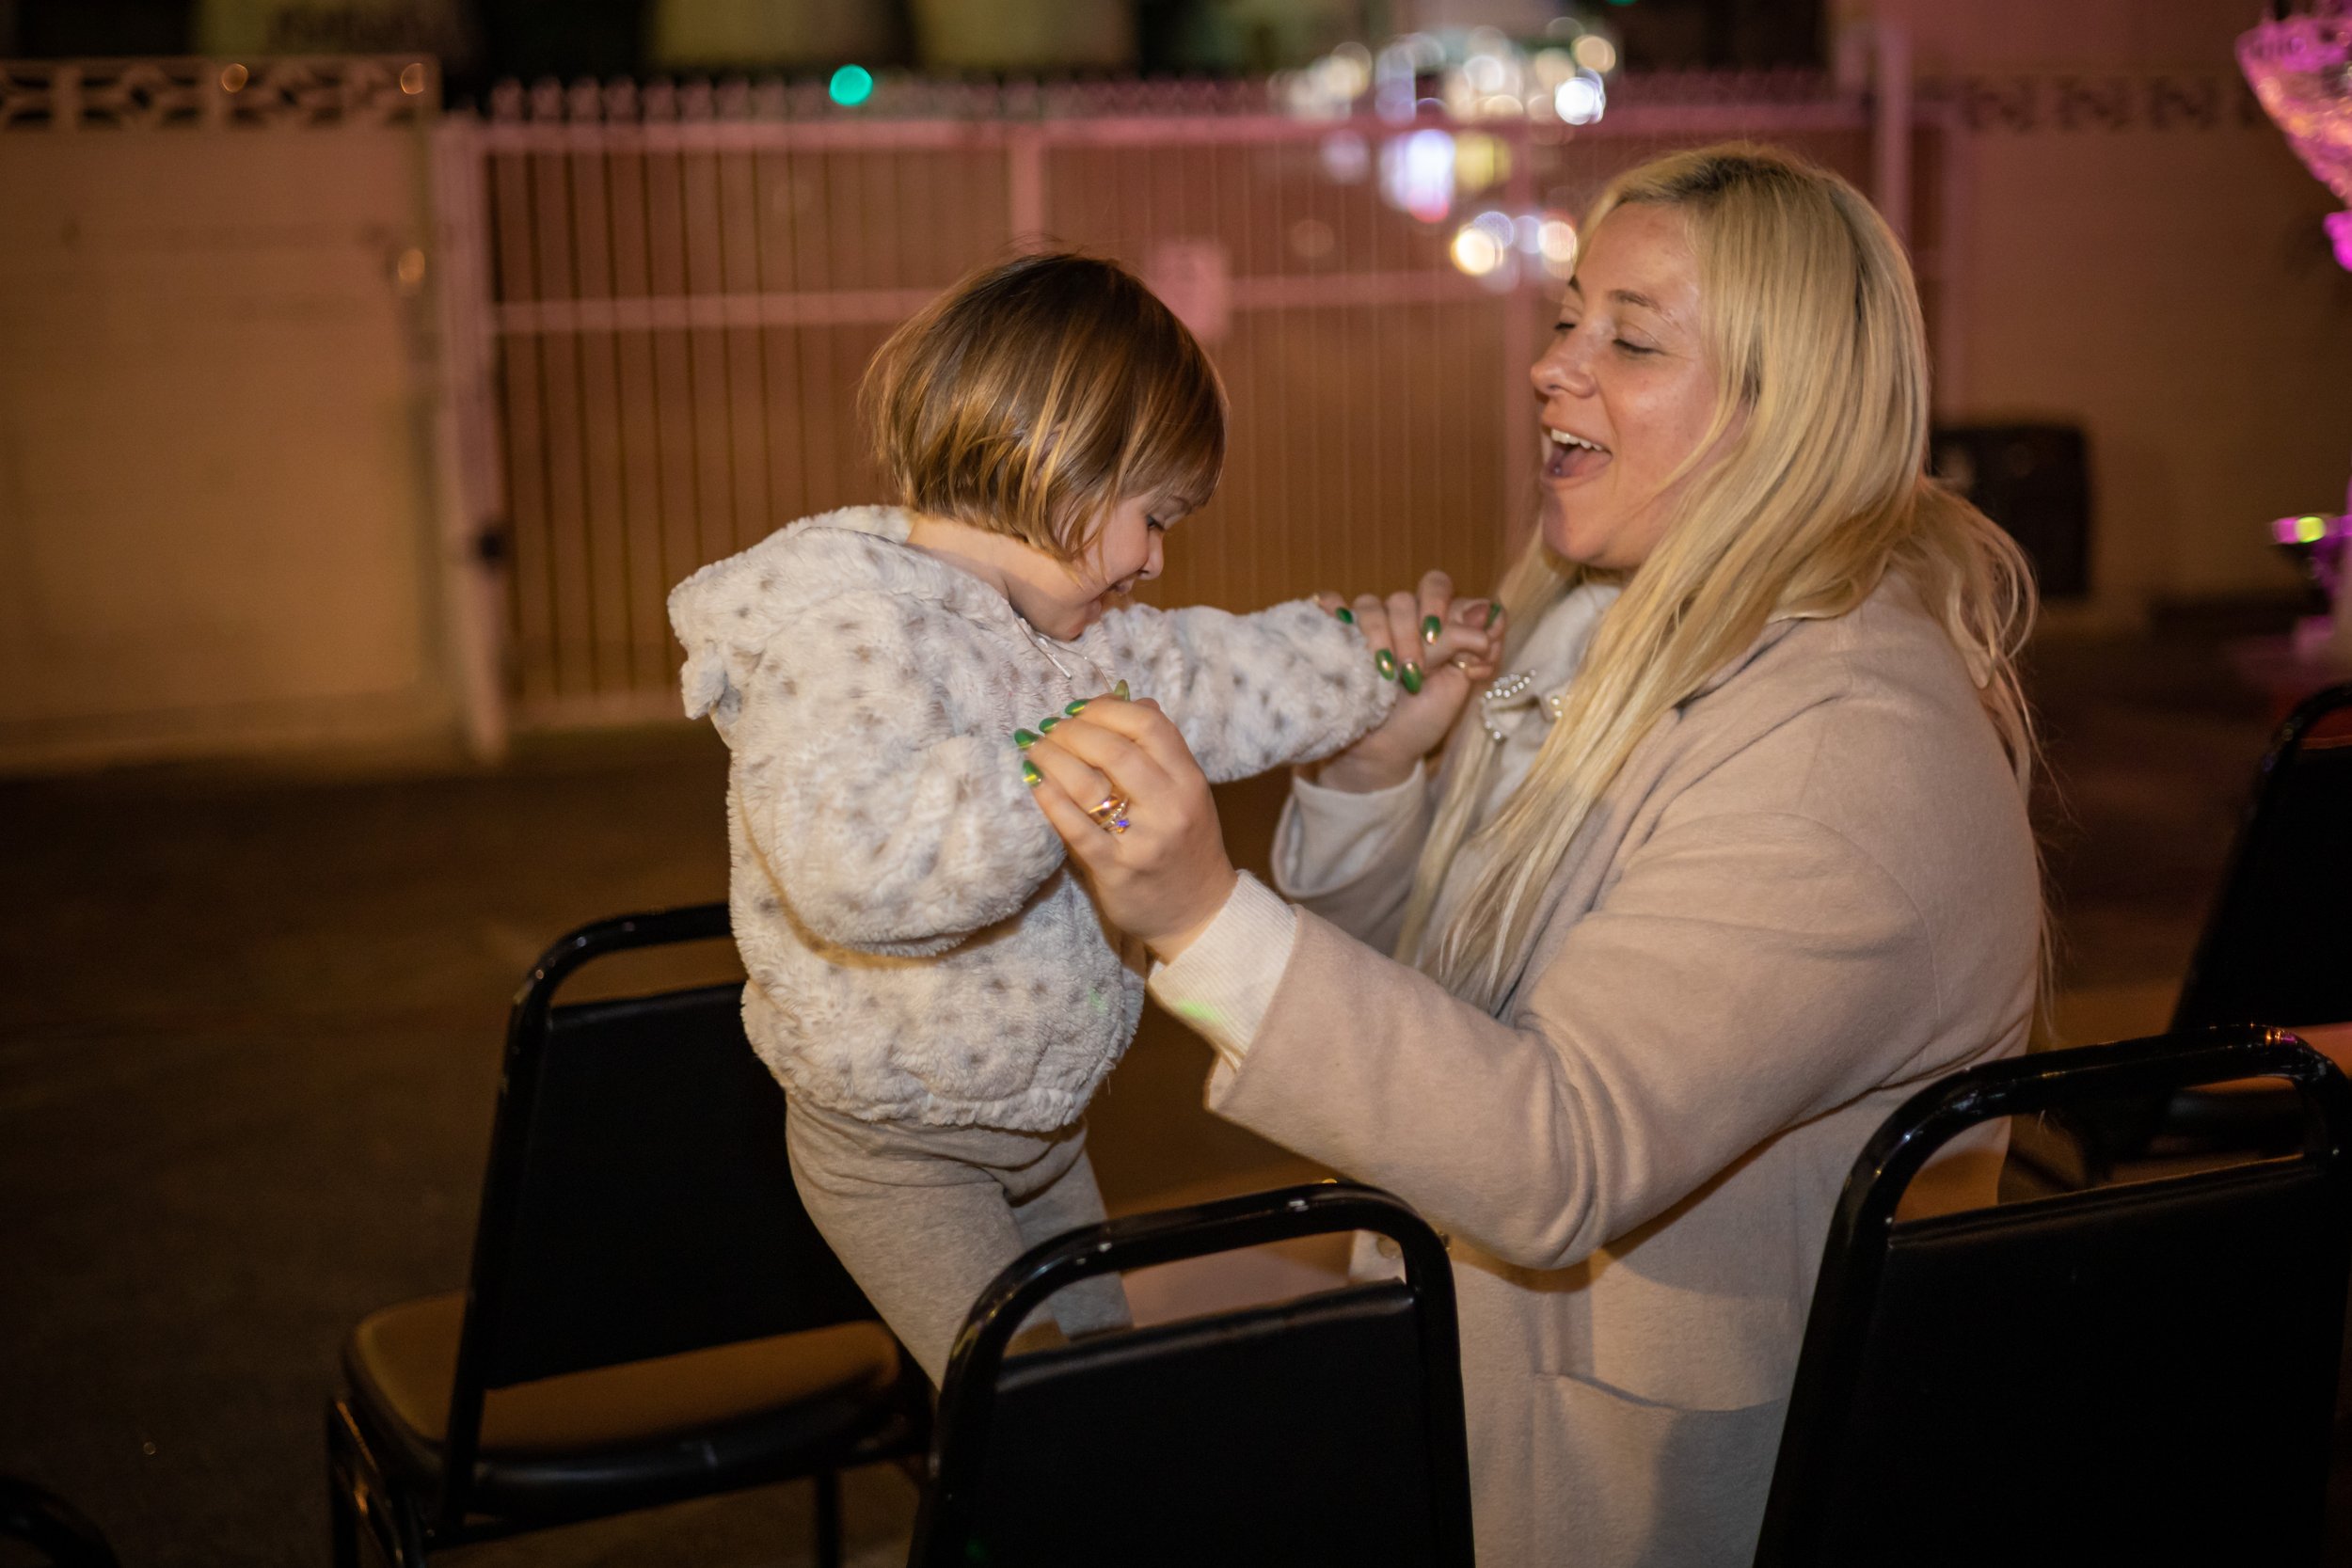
pixel 2276 950
pixel 2142 1374
pixel 651 1316
pixel 2277 947
pixel 40 1522
pixel 1324 1431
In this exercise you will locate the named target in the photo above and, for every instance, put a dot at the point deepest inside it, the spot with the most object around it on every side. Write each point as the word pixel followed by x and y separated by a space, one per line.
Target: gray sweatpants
pixel 924 1218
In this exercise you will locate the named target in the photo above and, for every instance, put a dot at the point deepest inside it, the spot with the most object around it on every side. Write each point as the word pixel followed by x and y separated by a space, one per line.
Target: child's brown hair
pixel 1034 395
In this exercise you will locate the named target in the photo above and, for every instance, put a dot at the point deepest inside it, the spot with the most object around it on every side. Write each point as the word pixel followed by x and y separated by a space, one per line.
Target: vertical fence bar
pixel 672 352
pixel 468 486
pixel 639 393
pixel 1890 124
pixel 735 233
pixel 1518 307
pixel 604 476
pixel 522 376
pixel 1025 180
pixel 571 592
pixel 1953 168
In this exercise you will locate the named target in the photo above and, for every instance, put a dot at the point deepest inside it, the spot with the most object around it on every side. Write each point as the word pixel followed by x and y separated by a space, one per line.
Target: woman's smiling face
pixel 1628 390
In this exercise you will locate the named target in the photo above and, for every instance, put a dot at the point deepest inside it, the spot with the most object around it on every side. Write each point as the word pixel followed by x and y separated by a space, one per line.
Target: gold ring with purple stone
pixel 1111 813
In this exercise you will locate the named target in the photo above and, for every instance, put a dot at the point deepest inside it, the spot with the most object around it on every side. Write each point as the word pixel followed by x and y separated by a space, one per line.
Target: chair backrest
pixel 2137 1373
pixel 639 1201
pixel 1323 1431
pixel 2277 947
pixel 40 1521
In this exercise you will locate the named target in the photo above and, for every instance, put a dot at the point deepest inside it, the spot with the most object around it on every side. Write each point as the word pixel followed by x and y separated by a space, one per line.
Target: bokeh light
pixel 1555 240
pixel 1482 248
pixel 851 86
pixel 1417 174
pixel 1347 71
pixel 1497 227
pixel 1481 161
pixel 1345 158
pixel 1581 100
pixel 1475 252
pixel 1596 53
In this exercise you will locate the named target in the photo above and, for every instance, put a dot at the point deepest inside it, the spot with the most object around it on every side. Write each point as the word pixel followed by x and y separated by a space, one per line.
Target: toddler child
pixel 928 979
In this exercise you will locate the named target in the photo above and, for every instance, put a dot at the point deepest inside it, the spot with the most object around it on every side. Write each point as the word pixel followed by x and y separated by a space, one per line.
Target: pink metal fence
pixel 686 285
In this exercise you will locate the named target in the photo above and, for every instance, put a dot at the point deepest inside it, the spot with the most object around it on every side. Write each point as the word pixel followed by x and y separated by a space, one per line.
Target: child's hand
pixel 1438 650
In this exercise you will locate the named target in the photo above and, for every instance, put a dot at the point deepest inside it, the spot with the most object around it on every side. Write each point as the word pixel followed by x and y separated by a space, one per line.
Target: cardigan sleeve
pixel 1745 974
pixel 880 827
pixel 1223 983
pixel 1350 857
pixel 1249 692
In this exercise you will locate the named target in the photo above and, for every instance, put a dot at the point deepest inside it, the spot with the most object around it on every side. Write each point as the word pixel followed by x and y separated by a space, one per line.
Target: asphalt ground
pixel 249 1027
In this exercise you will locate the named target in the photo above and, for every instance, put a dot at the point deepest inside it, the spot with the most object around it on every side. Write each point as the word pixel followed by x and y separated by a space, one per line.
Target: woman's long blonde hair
pixel 1809 489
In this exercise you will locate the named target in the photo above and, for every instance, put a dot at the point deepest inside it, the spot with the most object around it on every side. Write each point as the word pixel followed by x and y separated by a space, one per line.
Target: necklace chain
pixel 1044 646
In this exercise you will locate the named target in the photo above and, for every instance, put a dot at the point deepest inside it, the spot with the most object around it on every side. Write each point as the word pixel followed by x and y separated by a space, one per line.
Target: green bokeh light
pixel 851 84
pixel 2309 530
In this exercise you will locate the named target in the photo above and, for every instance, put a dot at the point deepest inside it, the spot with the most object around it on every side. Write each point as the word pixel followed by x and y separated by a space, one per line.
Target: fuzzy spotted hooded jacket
pixel 917 950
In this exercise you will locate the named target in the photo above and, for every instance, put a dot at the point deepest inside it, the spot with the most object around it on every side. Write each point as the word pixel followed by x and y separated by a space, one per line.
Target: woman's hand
pixel 1439 649
pixel 1119 783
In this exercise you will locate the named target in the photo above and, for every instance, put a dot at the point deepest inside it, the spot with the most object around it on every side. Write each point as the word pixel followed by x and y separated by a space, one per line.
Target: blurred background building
pixel 369 370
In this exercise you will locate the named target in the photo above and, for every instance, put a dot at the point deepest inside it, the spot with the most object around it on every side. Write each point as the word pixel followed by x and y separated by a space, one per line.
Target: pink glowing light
pixel 2300 68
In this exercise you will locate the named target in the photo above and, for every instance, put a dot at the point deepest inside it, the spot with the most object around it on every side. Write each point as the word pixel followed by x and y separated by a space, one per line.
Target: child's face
pixel 1073 594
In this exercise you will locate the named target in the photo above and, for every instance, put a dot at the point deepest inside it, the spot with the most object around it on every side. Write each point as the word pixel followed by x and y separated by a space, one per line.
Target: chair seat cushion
pixel 727 1414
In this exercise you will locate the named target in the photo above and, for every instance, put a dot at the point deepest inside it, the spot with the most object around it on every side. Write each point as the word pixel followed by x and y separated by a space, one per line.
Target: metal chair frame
pixel 1837 1335
pixel 46 1523
pixel 407 1530
pixel 967 1398
pixel 2253 847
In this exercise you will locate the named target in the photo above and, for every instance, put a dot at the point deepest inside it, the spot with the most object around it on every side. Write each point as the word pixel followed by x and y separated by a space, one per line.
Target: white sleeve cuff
pixel 1223 983
pixel 1329 837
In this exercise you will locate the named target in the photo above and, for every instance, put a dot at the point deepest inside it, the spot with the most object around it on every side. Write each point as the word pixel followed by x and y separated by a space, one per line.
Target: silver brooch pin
pixel 1508 692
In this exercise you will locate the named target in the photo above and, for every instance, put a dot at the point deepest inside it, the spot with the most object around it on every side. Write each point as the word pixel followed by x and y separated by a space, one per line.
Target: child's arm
pixel 1249 692
pixel 882 829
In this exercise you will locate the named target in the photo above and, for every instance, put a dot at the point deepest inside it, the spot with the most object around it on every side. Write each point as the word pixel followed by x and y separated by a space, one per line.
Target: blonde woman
pixel 1731 858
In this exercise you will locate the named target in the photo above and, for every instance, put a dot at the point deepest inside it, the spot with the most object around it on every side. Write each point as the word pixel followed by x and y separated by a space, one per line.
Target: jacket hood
pixel 727 613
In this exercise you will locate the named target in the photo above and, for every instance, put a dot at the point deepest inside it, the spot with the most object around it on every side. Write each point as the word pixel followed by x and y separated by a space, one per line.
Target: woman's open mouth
pixel 1572 457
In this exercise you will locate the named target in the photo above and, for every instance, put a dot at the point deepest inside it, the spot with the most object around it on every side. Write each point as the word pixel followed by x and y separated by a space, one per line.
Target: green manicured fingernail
pixel 1409 678
pixel 1029 775
pixel 1119 692
pixel 1074 706
pixel 1386 661
pixel 1025 738
pixel 1492 610
pixel 1430 628
pixel 1348 616
pixel 1045 725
